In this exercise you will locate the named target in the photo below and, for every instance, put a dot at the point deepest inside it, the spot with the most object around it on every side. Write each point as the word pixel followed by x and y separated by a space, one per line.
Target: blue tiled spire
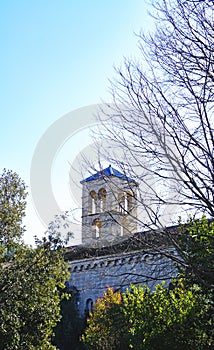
pixel 107 173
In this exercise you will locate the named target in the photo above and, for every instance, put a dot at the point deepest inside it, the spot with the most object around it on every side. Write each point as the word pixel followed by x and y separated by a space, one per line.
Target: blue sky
pixel 57 56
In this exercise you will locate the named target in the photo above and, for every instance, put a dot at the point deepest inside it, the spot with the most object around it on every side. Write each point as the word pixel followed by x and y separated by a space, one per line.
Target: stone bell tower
pixel 109 207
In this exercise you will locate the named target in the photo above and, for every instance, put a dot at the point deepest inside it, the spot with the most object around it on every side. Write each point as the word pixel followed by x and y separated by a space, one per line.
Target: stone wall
pixel 90 277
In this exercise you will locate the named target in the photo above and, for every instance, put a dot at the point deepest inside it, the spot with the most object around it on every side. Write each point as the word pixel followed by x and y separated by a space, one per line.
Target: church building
pixel 113 253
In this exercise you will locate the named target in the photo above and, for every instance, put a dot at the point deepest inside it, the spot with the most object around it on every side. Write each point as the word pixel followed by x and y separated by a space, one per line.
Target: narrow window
pixel 125 202
pixel 93 197
pixel 121 231
pixel 123 225
pixel 129 197
pixel 88 306
pixel 102 199
pixel 97 223
pixel 120 202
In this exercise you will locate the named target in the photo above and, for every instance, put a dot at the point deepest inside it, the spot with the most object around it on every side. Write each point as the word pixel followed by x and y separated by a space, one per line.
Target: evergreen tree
pixel 29 278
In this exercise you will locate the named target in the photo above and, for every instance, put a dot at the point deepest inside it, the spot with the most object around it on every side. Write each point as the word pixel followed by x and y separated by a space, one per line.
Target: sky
pixel 56 59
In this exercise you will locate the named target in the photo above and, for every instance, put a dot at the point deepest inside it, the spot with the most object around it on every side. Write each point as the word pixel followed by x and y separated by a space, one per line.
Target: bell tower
pixel 109 207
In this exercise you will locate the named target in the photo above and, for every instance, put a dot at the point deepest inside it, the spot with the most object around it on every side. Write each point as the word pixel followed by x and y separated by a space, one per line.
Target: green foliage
pixel 105 324
pixel 178 317
pixel 29 278
pixel 70 327
pixel 196 242
pixel 12 207
pixel 175 319
pixel 167 319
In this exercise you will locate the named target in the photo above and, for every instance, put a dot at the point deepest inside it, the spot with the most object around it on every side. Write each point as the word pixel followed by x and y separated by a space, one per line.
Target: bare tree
pixel 159 130
pixel 162 118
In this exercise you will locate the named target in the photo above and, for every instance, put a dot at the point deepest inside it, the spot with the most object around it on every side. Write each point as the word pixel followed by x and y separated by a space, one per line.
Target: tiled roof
pixel 107 173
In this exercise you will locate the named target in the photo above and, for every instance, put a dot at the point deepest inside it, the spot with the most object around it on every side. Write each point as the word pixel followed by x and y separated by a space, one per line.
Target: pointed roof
pixel 107 173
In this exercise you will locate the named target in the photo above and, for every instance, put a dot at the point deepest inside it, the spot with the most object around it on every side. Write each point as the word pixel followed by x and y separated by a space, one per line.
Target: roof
pixel 151 240
pixel 107 173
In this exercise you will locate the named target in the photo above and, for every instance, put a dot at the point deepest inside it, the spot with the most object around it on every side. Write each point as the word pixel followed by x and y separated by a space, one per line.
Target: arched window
pixel 102 199
pixel 88 306
pixel 123 226
pixel 93 197
pixel 125 202
pixel 97 223
pixel 129 198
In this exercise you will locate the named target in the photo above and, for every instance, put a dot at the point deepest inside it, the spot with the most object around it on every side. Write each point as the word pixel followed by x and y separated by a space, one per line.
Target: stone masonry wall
pixel 91 277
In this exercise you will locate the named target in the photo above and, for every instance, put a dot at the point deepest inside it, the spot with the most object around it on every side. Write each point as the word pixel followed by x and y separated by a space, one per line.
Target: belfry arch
pixel 107 196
